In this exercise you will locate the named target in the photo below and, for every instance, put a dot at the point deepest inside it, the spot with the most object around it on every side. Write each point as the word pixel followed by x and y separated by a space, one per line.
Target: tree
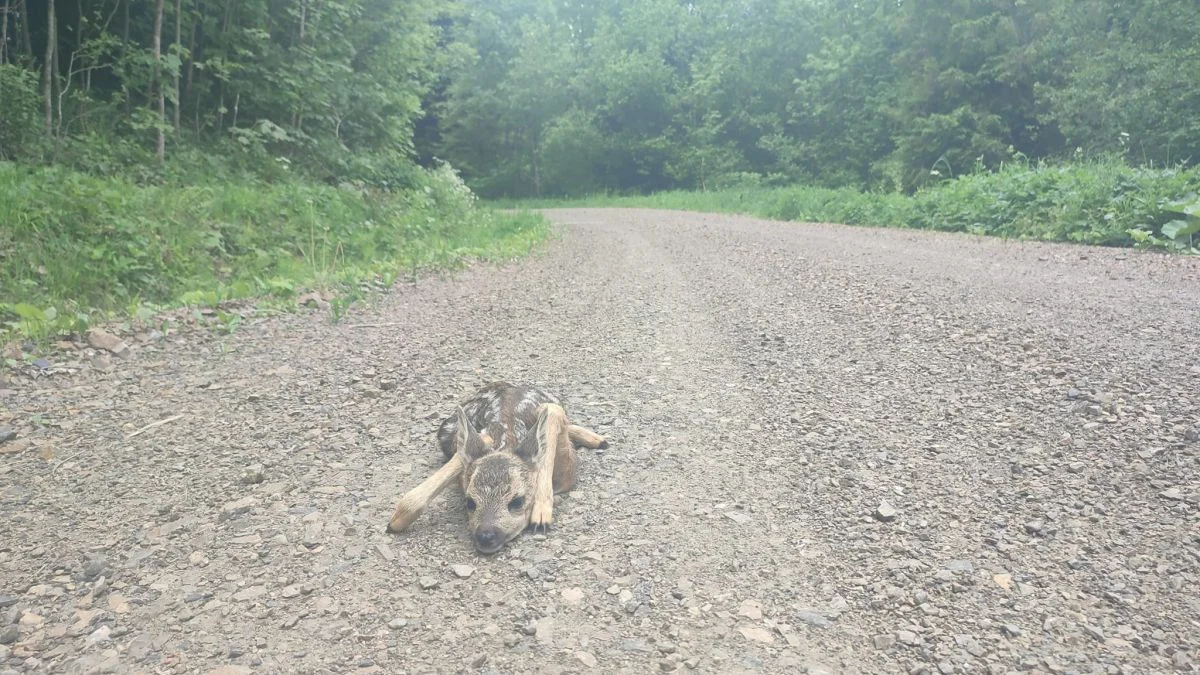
pixel 160 143
pixel 48 66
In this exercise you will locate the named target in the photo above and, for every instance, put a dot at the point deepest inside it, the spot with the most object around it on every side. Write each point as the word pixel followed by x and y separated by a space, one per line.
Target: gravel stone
pixel 885 512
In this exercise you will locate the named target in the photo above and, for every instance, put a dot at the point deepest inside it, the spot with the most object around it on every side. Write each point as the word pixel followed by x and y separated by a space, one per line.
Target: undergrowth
pixel 1102 202
pixel 76 248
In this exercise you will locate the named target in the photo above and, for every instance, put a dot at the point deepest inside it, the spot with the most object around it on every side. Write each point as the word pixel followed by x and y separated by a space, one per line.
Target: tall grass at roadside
pixel 1101 202
pixel 74 246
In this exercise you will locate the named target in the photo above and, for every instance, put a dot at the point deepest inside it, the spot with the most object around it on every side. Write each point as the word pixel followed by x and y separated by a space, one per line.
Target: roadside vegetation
pixel 1105 203
pixel 157 156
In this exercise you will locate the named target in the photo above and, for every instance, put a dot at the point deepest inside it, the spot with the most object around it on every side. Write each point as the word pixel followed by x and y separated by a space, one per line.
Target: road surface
pixel 833 449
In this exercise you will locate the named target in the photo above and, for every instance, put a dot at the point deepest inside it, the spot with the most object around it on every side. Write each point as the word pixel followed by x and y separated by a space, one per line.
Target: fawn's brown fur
pixel 512 448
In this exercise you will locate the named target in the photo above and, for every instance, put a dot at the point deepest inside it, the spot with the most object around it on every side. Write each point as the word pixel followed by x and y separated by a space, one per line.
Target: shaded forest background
pixel 554 97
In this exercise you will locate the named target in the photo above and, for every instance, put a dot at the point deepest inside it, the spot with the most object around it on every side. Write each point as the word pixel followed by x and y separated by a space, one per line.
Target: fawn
pixel 512 448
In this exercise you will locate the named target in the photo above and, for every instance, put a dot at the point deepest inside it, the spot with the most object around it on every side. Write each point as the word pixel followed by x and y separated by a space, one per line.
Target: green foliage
pixel 21 128
pixel 327 90
pixel 565 99
pixel 1102 202
pixel 76 244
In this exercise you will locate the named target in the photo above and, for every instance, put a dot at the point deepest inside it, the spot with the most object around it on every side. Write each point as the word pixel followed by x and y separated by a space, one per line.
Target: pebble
pixel 462 571
pixel 9 634
pixel 739 517
pixel 812 617
pixel 140 647
pixel 237 507
pixel 249 593
pixel 101 634
pixel 101 339
pixel 572 596
pixel 14 447
pixel 587 659
pixel 756 634
pixel 313 532
pixel 751 609
pixel 94 567
pixel 397 624
pixel 7 434
pixel 385 552
pixel 252 475
pixel 428 583
pixel 908 637
pixel 885 512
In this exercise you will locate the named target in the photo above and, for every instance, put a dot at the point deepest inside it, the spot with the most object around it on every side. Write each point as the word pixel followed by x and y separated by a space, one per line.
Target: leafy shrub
pixel 75 243
pixel 22 135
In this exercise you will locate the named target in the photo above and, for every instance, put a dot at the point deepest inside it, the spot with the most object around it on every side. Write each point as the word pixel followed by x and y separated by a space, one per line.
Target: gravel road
pixel 832 450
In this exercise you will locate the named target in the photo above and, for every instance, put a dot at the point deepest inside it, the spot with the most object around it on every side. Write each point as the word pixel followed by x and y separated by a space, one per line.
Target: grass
pixel 1101 202
pixel 77 248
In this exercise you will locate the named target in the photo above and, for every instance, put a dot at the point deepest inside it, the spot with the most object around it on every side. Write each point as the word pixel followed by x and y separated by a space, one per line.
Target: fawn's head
pixel 498 486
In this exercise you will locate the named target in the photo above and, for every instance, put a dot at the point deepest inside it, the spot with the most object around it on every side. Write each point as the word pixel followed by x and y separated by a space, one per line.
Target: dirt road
pixel 832 450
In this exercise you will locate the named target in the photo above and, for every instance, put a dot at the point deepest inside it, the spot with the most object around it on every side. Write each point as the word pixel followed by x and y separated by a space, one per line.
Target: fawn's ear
pixel 533 446
pixel 467 441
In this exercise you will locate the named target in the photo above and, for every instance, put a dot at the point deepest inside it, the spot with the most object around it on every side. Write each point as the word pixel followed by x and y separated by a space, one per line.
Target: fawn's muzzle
pixel 488 540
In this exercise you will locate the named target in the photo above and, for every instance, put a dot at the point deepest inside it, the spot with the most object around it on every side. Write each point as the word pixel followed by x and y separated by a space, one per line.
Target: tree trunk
pixel 221 85
pixel 48 69
pixel 178 45
pixel 298 117
pixel 187 81
pixel 125 50
pixel 26 41
pixel 160 144
pixel 537 171
pixel 4 34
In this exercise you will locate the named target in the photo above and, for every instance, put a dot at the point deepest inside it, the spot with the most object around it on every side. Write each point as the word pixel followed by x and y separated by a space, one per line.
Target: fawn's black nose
pixel 488 541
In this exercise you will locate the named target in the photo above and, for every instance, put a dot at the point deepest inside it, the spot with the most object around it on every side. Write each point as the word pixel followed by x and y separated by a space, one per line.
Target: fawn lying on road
pixel 512 448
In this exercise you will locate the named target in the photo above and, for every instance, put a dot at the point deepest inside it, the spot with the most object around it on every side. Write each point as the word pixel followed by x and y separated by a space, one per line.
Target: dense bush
pixel 75 243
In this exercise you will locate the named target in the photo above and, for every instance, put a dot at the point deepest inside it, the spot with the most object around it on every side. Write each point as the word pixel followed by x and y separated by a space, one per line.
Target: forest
pixel 152 151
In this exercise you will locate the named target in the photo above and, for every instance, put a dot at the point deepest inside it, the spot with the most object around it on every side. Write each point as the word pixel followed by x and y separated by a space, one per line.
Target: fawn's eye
pixel 516 504
pixel 471 504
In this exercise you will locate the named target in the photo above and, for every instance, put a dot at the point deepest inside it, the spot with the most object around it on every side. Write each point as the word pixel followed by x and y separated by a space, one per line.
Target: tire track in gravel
pixel 1025 407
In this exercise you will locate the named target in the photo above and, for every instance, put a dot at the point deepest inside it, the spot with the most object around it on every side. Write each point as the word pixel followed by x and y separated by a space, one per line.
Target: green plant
pixel 88 245
pixel 1185 222
pixel 1100 201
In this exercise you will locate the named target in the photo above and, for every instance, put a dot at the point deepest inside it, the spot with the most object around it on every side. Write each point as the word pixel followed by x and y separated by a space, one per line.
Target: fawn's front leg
pixel 552 435
pixel 415 500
